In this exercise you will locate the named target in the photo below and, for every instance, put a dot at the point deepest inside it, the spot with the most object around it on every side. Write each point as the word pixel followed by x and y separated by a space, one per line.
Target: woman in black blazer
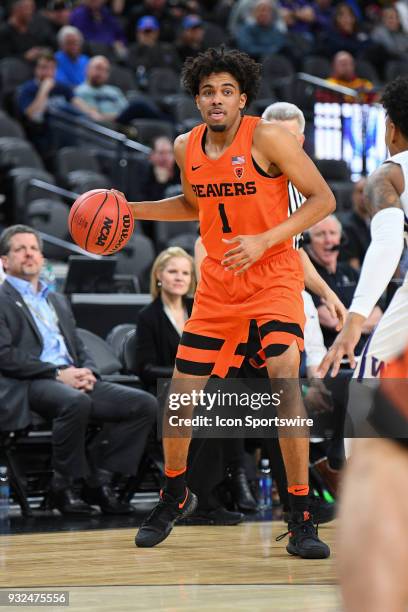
pixel 159 328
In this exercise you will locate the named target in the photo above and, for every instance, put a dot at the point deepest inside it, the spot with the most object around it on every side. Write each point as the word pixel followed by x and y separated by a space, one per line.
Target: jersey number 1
pixel 225 225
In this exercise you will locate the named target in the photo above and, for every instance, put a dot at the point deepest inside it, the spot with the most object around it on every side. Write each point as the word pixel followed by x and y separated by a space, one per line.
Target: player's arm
pixel 383 188
pixel 315 284
pixel 283 151
pixel 277 147
pixel 182 207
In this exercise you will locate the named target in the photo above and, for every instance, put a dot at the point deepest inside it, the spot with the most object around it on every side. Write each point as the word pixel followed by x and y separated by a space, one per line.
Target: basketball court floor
pixel 199 568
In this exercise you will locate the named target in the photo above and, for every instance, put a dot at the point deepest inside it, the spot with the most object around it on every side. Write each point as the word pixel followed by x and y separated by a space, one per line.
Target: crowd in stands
pixel 73 54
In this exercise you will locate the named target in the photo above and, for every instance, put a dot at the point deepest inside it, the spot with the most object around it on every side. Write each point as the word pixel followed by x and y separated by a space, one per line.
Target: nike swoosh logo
pixel 184 501
pixel 195 167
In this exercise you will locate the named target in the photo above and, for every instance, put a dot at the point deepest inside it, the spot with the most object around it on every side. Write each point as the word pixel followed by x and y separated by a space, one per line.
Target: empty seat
pixel 15 152
pixel 169 233
pixel 148 129
pixel 394 69
pixel 136 258
pixel 84 180
pixel 365 70
pixel 343 191
pixel 13 72
pixel 10 127
pixel 163 82
pixel 317 65
pixel 116 338
pixel 23 192
pixel 279 72
pixel 50 217
pixel 74 158
pixel 122 77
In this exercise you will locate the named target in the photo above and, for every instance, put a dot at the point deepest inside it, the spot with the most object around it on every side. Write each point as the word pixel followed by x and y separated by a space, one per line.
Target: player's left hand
pixel 336 308
pixel 241 257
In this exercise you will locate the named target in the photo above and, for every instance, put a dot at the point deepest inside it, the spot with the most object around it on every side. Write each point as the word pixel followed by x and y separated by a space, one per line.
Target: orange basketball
pixel 100 221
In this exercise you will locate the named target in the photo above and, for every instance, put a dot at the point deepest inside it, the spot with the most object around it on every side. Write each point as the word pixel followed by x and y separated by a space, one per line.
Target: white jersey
pixel 390 337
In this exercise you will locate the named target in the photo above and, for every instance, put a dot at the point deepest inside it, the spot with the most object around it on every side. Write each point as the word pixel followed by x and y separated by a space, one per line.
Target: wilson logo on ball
pixel 105 231
pixel 124 235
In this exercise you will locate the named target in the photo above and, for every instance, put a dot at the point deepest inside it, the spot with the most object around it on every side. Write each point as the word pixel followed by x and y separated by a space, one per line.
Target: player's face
pixel 176 276
pixel 24 259
pixel 220 101
pixel 324 236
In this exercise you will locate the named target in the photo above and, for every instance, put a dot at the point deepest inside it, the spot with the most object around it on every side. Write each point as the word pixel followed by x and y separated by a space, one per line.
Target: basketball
pixel 100 221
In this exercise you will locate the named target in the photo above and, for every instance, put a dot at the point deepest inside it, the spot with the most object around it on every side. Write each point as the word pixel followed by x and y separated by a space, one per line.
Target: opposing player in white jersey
pixel 387 191
pixel 372 554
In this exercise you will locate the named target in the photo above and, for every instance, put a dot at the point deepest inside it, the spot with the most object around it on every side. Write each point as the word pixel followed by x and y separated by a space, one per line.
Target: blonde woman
pixel 160 324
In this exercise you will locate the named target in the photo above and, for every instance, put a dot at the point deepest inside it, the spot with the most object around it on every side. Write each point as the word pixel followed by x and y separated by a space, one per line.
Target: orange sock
pixel 300 489
pixel 174 473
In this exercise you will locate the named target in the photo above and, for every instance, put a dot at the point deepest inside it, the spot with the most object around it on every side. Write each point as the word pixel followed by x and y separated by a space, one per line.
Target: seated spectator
pixel 356 228
pixel 324 250
pixel 97 24
pixel 159 328
pixel 43 93
pixel 46 368
pixel 163 173
pixel 19 37
pixel 190 40
pixel 390 34
pixel 344 34
pixel 344 73
pixel 263 36
pixel 108 102
pixel 299 16
pixel 53 17
pixel 162 12
pixel 323 10
pixel 71 63
pixel 148 51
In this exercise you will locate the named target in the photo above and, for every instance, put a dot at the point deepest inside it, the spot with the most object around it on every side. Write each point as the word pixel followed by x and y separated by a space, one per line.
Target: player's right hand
pixel 344 345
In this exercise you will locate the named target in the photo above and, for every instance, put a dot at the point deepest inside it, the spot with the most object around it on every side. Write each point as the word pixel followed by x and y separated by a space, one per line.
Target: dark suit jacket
pixel 21 346
pixel 157 343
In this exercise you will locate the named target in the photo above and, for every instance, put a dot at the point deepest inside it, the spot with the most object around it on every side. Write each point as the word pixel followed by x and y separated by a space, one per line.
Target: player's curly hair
pixel 245 70
pixel 395 102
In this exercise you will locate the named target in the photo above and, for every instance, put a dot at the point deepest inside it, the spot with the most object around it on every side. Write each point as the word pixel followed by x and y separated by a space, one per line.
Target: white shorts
pixel 388 339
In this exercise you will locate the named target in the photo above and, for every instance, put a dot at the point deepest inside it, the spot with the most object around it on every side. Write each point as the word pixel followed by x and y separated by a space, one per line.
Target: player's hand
pixel 241 257
pixel 336 308
pixel 344 345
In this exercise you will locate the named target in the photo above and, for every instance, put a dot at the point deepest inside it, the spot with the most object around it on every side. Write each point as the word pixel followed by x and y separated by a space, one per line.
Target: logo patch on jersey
pixel 238 160
pixel 239 172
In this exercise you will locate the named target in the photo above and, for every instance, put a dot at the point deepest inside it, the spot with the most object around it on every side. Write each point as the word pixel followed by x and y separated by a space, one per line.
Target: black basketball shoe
pixel 158 525
pixel 303 538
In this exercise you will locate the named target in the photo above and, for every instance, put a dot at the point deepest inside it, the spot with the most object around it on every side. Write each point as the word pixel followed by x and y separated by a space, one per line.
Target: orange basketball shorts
pixel 214 338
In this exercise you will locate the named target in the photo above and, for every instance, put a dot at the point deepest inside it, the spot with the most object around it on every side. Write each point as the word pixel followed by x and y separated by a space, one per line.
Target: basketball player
pixel 387 191
pixel 373 557
pixel 235 171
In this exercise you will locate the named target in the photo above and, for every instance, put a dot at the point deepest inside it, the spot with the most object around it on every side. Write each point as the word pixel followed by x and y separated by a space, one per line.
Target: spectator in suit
pixel 159 329
pixel 71 62
pixel 43 359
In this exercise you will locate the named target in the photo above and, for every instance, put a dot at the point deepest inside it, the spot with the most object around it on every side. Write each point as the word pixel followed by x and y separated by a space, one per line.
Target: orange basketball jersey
pixel 233 195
